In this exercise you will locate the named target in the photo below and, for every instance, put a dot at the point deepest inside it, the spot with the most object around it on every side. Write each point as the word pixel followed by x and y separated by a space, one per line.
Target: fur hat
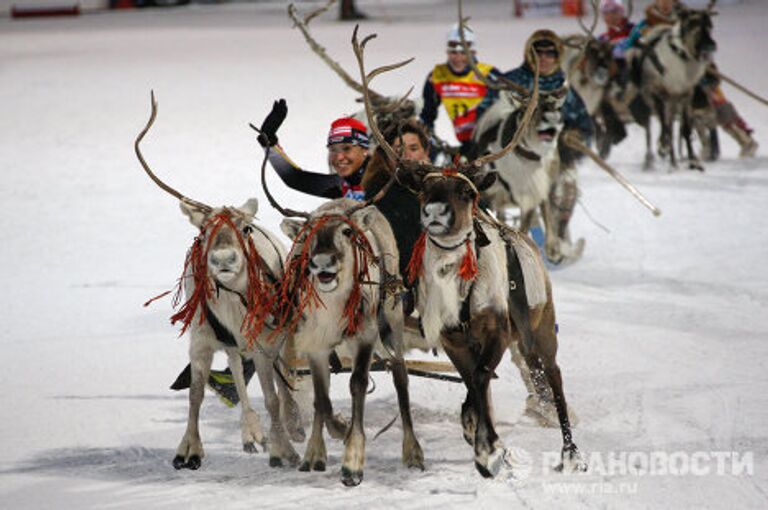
pixel 539 39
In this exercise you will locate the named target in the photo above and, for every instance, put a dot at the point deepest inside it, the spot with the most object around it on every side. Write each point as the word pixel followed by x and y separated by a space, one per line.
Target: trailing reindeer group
pixel 475 287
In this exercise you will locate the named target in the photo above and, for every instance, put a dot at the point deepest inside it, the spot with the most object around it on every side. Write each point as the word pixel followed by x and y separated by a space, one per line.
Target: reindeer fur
pixel 227 307
pixel 320 330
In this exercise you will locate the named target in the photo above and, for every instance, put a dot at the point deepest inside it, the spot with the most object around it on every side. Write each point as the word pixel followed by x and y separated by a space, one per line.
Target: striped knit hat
pixel 348 130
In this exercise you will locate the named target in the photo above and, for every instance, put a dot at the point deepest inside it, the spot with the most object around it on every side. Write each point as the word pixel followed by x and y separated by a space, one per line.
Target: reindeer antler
pixel 533 101
pixel 359 49
pixel 499 82
pixel 320 51
pixel 151 174
pixel 590 31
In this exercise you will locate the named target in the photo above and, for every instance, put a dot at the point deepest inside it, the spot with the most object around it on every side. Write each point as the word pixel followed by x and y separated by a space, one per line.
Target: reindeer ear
pixel 366 217
pixel 195 215
pixel 250 207
pixel 291 227
pixel 487 181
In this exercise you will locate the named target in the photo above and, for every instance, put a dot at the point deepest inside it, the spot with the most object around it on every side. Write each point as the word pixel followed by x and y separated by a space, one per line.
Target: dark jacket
pixel 574 112
pixel 317 184
pixel 399 205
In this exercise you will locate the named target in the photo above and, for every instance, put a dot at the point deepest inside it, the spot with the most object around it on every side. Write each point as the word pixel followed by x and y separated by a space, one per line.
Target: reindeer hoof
pixel 351 478
pixel 193 463
pixel 483 471
pixel 319 465
pixel 275 462
pixel 572 461
pixel 250 448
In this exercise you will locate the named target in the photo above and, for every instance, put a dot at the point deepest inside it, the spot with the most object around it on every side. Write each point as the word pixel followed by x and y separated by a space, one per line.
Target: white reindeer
pixel 227 282
pixel 343 260
pixel 672 61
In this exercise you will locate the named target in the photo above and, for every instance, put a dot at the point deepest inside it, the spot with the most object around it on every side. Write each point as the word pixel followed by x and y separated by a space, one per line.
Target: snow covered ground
pixel 663 323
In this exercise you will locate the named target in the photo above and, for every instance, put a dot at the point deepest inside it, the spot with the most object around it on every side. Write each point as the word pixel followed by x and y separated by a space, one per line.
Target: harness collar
pixel 461 243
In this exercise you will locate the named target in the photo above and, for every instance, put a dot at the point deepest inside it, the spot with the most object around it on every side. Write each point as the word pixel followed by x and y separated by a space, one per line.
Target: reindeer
pixel 481 286
pixel 228 277
pixel 590 67
pixel 588 63
pixel 672 62
pixel 340 287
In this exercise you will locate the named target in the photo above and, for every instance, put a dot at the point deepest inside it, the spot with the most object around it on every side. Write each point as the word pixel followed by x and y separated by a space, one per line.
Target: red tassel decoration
pixel 468 268
pixel 416 263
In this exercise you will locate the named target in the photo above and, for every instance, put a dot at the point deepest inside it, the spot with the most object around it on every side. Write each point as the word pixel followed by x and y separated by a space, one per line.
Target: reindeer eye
pixel 247 230
pixel 347 232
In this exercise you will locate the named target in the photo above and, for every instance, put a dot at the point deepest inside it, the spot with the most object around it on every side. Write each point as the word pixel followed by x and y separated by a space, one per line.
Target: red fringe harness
pixel 297 292
pixel 259 292
pixel 468 268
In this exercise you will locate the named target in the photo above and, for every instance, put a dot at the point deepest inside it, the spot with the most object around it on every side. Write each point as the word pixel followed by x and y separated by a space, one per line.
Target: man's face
pixel 665 6
pixel 457 60
pixel 612 19
pixel 412 148
pixel 547 60
pixel 346 158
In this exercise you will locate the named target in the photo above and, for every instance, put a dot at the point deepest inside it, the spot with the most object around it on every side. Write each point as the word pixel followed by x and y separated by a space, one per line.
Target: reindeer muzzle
pixel 325 267
pixel 436 217
pixel 224 264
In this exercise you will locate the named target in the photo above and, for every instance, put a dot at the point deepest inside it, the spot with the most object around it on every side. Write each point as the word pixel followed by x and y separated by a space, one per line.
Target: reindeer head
pixel 546 122
pixel 598 64
pixel 448 198
pixel 223 254
pixel 224 234
pixel 331 241
pixel 694 28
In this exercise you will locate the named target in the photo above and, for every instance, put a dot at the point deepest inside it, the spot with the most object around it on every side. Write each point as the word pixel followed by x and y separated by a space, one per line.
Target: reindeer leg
pixel 250 424
pixel 190 452
pixel 412 453
pixel 290 412
pixel 315 456
pixel 289 408
pixel 686 131
pixel 544 356
pixel 649 157
pixel 280 447
pixel 354 450
pixel 464 360
pixel 494 330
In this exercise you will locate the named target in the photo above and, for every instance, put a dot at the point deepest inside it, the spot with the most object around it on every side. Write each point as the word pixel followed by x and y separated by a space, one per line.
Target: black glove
pixel 268 135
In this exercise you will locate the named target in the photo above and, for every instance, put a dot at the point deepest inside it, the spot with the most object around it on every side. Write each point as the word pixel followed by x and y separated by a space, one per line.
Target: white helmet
pixel 453 38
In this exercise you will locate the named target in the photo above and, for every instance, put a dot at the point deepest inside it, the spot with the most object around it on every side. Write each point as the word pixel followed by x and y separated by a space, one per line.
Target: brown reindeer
pixel 227 280
pixel 481 286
